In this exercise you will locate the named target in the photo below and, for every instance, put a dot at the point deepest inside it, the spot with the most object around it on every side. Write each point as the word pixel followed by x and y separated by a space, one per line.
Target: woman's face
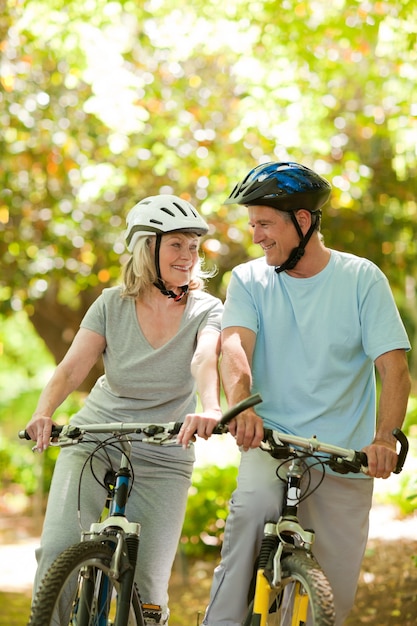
pixel 178 255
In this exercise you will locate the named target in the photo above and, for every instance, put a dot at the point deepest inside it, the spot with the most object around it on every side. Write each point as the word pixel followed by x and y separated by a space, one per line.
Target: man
pixel 305 326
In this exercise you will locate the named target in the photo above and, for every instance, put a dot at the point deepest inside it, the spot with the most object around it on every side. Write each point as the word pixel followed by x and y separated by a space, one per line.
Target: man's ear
pixel 303 217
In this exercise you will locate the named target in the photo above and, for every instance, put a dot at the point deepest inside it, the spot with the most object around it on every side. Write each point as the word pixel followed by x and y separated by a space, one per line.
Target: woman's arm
pixel 205 370
pixel 83 353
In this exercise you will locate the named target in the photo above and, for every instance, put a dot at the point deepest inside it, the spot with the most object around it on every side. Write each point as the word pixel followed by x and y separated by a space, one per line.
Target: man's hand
pixel 382 459
pixel 248 429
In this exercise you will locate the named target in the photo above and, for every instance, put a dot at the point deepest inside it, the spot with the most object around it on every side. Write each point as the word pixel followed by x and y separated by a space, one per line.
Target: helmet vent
pixel 165 210
pixel 153 221
pixel 180 208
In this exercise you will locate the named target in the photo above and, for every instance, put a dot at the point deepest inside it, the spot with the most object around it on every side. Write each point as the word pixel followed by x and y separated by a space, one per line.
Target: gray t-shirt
pixel 141 383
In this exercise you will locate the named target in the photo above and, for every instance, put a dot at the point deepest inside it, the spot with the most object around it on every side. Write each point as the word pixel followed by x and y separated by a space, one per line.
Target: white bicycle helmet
pixel 157 215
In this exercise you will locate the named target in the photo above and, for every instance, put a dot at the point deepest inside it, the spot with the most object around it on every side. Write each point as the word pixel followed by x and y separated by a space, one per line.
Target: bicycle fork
pixel 281 538
pixel 263 583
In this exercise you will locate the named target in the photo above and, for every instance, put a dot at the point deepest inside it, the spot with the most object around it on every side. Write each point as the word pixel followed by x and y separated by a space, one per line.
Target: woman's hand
pixel 200 424
pixel 39 429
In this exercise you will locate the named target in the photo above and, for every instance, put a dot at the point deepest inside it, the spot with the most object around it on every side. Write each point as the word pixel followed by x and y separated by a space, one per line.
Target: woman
pixel 158 335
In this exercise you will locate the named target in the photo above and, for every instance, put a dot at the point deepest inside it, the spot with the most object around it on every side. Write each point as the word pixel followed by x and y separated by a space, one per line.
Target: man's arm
pixel 395 388
pixel 237 349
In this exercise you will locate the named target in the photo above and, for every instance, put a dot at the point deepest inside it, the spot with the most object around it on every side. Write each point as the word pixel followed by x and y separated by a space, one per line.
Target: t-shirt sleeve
pixel 95 318
pixel 212 321
pixel 382 326
pixel 240 307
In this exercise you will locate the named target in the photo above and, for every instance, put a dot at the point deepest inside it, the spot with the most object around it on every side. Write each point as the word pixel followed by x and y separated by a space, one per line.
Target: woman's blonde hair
pixel 139 272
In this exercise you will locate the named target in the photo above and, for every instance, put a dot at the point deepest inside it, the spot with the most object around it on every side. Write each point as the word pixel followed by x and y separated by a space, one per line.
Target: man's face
pixel 274 231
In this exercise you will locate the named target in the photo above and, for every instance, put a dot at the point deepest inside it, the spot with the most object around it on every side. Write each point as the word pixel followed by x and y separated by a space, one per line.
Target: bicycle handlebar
pixel 172 427
pixel 277 444
pixel 341 460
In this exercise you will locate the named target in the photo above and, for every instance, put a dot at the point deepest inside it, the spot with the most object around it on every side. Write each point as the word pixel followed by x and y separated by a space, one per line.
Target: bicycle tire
pixel 60 599
pixel 306 597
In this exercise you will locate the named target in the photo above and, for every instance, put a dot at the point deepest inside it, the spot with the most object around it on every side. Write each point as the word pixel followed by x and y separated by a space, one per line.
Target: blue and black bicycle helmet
pixel 287 187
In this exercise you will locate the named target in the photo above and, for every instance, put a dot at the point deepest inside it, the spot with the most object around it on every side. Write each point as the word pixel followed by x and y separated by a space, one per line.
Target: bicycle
pixel 92 582
pixel 289 588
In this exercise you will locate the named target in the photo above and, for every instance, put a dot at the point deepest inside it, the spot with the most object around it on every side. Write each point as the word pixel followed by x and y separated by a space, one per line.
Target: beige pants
pixel 338 512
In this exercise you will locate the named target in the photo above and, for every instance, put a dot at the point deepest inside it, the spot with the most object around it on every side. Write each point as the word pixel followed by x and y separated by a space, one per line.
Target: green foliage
pixel 15 468
pixel 410 422
pixel 25 367
pixel 404 498
pixel 207 509
pixel 25 362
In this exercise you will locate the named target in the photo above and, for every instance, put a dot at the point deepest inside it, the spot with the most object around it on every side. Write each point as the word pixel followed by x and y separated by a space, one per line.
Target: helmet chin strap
pixel 159 283
pixel 297 253
pixel 171 294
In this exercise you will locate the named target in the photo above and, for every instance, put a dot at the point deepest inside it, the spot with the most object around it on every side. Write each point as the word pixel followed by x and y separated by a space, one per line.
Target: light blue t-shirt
pixel 317 340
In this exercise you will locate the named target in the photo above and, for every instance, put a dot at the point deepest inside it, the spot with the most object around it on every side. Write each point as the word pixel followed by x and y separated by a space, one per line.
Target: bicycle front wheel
pixel 78 590
pixel 305 600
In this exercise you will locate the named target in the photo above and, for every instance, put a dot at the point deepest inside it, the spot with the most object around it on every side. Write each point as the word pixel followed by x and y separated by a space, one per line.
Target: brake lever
pixel 276 449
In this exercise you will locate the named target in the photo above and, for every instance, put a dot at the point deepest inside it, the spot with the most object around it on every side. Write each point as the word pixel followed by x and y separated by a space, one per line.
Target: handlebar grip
pixel 239 408
pixel 55 432
pixel 402 455
pixel 221 428
pixel 176 429
pixel 362 458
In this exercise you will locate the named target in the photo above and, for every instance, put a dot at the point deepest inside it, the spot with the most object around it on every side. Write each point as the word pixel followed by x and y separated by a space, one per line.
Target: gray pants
pixel 338 511
pixel 158 501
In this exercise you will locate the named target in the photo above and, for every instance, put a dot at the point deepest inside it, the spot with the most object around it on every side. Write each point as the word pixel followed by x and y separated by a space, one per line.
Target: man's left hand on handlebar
pixel 382 459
